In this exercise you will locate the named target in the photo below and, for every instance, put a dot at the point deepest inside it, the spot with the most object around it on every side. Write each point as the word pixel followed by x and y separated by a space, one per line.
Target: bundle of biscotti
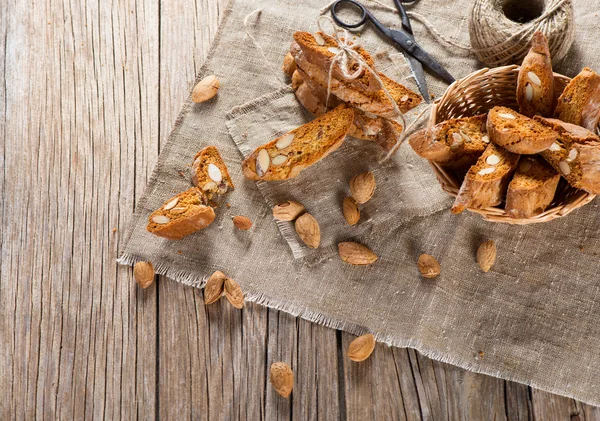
pixel 363 106
pixel 510 157
pixel 312 56
pixel 194 209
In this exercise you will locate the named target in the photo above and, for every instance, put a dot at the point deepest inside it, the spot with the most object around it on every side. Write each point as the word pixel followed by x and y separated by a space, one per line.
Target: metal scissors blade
pixel 409 45
pixel 416 69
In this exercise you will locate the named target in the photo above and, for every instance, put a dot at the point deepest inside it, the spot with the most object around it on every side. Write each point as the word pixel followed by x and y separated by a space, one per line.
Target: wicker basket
pixel 476 94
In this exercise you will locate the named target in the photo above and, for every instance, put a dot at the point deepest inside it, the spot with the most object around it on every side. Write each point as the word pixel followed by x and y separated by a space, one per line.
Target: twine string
pixel 490 22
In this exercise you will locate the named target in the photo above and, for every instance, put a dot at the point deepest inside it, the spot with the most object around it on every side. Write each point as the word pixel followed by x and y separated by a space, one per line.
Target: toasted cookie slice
pixel 181 215
pixel 486 182
pixel 210 174
pixel 289 154
pixel 365 127
pixel 580 101
pixel 532 188
pixel 517 133
pixel 320 49
pixel 535 83
pixel 575 155
pixel 454 143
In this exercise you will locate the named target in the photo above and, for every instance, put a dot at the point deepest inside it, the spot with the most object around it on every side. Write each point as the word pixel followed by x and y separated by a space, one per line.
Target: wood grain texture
pixel 88 92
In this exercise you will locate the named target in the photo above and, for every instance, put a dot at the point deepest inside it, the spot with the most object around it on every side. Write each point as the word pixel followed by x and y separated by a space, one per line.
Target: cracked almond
pixel 143 272
pixel 362 187
pixel 361 348
pixel 428 266
pixel 350 210
pixel 308 230
pixel 486 255
pixel 234 293
pixel 242 222
pixel 213 290
pixel 206 89
pixel 288 210
pixel 356 254
pixel 282 378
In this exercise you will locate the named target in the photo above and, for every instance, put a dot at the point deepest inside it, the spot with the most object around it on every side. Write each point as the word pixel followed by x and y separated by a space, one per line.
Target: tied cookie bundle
pixel 335 80
pixel 516 159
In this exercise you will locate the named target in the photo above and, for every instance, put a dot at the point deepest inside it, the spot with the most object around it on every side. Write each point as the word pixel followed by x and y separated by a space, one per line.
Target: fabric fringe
pixel 194 280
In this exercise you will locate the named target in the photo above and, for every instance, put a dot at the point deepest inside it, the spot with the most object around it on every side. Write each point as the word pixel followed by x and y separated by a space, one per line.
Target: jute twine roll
pixel 499 38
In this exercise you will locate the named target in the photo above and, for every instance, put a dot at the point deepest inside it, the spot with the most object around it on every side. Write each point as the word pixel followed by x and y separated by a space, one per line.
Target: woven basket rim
pixel 575 198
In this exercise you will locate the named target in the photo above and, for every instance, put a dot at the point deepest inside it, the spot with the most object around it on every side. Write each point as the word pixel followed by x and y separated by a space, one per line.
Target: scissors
pixel 403 39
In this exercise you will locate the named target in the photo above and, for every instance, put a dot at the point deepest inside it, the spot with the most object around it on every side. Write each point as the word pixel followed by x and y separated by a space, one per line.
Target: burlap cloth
pixel 533 318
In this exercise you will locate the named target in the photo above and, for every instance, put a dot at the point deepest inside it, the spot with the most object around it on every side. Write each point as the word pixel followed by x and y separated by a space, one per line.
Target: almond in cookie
pixel 486 182
pixel 181 215
pixel 456 143
pixel 535 82
pixel 575 154
pixel 210 174
pixel 517 133
pixel 286 156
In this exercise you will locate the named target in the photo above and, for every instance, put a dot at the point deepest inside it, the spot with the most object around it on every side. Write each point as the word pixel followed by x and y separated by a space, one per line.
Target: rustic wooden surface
pixel 89 89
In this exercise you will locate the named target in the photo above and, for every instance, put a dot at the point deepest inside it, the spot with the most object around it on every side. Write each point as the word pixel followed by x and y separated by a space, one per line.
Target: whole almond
pixel 486 255
pixel 282 378
pixel 351 211
pixel 242 222
pixel 206 89
pixel 361 348
pixel 362 187
pixel 234 293
pixel 428 266
pixel 288 210
pixel 143 272
pixel 356 254
pixel 308 230
pixel 289 64
pixel 214 287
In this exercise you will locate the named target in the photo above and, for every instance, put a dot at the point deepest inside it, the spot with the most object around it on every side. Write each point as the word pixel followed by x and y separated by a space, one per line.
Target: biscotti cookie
pixel 575 155
pixel 532 188
pixel 404 98
pixel 517 133
pixel 376 102
pixel 289 154
pixel 210 174
pixel 580 101
pixel 320 49
pixel 535 82
pixel 181 215
pixel 456 143
pixel 486 182
pixel 365 127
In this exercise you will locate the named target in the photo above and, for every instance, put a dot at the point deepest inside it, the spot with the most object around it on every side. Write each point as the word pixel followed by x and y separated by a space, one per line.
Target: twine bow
pixel 347 56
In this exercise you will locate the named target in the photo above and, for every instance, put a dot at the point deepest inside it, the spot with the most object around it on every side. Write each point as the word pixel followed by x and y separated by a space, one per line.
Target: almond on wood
pixel 143 272
pixel 361 348
pixel 214 287
pixel 282 378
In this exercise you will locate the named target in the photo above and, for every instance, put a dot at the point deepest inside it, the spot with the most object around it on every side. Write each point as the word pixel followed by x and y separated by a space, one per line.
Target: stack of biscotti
pixel 311 56
pixel 193 209
pixel 513 159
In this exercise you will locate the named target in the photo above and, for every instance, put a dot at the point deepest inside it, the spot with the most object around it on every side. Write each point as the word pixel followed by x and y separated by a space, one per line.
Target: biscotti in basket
pixel 547 167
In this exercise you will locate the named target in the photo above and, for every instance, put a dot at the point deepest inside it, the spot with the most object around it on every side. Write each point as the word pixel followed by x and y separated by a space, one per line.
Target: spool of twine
pixel 501 30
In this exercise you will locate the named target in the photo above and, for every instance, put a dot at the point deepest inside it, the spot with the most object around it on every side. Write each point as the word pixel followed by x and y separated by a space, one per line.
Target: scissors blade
pixel 424 57
pixel 407 43
pixel 417 70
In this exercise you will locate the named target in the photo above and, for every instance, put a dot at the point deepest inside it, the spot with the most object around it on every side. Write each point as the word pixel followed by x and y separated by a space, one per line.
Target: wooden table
pixel 90 90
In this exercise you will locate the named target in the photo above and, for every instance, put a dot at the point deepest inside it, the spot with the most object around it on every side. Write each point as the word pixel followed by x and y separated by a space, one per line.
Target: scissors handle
pixel 365 16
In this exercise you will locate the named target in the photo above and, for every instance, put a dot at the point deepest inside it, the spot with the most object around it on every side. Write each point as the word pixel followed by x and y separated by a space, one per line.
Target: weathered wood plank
pixel 76 108
pixel 79 137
